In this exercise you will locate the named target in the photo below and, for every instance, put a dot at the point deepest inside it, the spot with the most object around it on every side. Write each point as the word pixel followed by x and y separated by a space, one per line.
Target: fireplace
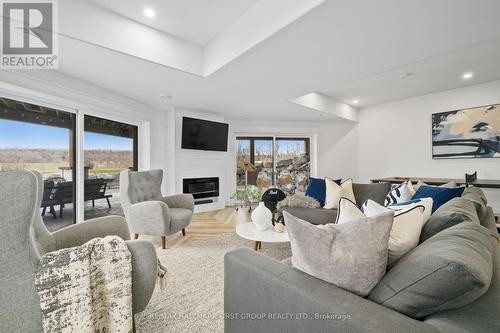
pixel 204 190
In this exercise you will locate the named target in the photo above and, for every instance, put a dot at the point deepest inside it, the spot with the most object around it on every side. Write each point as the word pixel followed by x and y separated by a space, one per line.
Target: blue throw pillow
pixel 440 195
pixel 317 189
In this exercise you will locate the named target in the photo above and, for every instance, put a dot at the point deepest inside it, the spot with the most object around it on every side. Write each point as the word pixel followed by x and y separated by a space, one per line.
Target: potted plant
pixel 246 196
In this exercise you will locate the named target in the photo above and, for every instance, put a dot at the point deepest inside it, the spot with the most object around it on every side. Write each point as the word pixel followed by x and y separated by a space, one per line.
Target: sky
pixel 15 134
pixel 284 145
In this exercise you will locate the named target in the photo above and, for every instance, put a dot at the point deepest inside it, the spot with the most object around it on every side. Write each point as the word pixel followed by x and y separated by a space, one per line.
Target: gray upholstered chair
pixel 24 239
pixel 147 211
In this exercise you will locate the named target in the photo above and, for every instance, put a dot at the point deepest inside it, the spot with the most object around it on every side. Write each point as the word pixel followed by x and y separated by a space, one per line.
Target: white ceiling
pixel 439 73
pixel 349 49
pixel 197 21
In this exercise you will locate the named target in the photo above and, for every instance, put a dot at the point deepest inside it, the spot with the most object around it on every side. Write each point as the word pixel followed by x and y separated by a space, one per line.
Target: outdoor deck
pixel 101 209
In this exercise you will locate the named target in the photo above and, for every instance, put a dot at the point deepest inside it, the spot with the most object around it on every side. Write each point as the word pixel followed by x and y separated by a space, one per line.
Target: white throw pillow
pixel 405 231
pixel 400 193
pixel 335 191
pixel 348 211
pixel 426 202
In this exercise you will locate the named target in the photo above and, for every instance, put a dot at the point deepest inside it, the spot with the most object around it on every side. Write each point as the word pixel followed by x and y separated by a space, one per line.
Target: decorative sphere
pixel 279 227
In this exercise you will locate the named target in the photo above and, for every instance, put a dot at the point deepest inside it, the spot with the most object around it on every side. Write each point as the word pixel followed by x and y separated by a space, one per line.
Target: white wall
pixel 331 143
pixel 395 138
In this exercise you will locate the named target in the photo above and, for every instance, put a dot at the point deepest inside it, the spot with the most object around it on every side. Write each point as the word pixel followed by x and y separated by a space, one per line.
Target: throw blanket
pixel 298 200
pixel 87 288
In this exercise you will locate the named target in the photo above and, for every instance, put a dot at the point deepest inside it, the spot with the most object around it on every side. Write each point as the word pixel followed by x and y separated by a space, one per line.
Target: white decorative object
pixel 279 227
pixel 262 217
pixel 248 231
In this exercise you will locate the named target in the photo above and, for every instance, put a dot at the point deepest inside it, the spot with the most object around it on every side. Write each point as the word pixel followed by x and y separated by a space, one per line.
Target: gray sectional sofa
pixel 421 293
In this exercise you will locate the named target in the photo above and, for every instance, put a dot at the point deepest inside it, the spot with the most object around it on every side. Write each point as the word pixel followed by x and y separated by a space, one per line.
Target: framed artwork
pixel 467 133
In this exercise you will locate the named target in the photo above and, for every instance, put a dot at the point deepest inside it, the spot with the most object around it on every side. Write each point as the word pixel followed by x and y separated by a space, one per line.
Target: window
pixel 273 161
pixel 109 148
pixel 43 139
pixel 34 137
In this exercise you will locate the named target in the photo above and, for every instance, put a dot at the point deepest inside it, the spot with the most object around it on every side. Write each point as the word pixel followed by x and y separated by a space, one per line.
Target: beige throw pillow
pixel 335 191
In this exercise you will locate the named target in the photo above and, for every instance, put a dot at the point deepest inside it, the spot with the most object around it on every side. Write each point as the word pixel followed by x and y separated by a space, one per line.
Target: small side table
pixel 248 231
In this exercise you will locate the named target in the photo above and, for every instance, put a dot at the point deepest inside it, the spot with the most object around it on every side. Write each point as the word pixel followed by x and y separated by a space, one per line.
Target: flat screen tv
pixel 204 135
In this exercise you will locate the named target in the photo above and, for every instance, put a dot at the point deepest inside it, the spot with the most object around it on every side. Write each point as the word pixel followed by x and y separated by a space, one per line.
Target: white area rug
pixel 193 300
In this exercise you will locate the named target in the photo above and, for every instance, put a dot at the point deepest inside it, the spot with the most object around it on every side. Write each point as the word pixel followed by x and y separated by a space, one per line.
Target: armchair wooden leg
pixel 133 324
pixel 183 231
pixel 136 236
pixel 163 242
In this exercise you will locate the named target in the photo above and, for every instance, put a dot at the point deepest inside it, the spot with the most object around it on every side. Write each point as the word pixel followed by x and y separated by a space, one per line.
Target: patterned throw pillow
pixel 352 256
pixel 402 192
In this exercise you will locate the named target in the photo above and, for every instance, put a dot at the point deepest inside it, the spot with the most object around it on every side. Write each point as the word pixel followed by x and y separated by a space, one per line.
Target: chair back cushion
pixel 143 185
pixel 44 241
pixel 448 271
pixel 19 204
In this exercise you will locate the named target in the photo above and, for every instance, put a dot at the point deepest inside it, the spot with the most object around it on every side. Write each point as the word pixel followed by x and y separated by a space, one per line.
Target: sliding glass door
pixel 34 137
pixel 273 161
pixel 109 148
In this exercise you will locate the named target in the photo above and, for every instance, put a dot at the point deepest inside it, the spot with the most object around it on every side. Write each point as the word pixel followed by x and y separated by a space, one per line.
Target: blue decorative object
pixel 440 195
pixel 317 189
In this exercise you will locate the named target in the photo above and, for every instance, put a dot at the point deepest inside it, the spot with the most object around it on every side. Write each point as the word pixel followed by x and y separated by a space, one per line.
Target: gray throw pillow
pixel 352 256
pixel 448 271
pixel 455 211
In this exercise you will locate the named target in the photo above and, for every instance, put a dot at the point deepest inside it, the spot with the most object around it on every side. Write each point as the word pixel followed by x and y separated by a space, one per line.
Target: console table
pixel 484 183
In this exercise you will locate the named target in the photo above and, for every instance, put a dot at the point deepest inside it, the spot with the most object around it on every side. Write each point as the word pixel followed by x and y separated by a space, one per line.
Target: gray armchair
pixel 24 239
pixel 147 211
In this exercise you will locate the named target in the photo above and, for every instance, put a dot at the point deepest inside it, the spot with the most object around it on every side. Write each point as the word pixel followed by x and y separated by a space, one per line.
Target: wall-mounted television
pixel 202 134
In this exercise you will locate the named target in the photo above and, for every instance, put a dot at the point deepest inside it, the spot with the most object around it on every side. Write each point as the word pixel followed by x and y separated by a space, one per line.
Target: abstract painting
pixel 467 133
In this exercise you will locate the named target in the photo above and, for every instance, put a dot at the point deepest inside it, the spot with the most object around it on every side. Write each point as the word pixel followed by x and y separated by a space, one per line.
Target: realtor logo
pixel 28 38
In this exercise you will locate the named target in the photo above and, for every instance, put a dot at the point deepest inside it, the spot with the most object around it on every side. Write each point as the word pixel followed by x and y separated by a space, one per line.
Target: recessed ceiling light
pixel 406 75
pixel 355 101
pixel 467 76
pixel 149 12
pixel 164 96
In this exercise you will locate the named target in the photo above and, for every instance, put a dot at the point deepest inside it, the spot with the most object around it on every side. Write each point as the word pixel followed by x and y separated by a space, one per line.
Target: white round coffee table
pixel 248 231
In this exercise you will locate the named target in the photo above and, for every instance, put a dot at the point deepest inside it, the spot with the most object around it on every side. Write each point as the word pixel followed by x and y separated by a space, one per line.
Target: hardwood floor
pixel 205 225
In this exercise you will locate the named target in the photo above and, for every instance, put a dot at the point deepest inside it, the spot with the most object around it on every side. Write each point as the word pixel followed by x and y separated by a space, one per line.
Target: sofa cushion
pixel 448 271
pixel 352 256
pixel 313 215
pixel 453 212
pixel 439 195
pixel 476 195
pixel 375 192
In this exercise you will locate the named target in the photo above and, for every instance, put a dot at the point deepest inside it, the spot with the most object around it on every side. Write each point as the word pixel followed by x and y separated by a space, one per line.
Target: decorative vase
pixel 262 217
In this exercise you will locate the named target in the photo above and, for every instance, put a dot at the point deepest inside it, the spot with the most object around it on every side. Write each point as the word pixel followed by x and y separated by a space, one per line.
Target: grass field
pixel 43 168
pixel 49 168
